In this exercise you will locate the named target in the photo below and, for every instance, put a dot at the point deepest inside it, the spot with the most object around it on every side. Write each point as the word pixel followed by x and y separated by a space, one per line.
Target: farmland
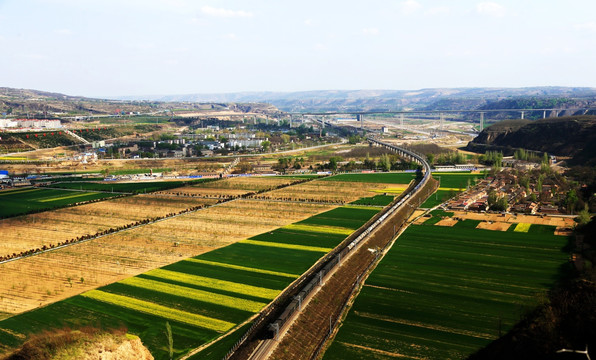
pixel 131 252
pixel 36 230
pixel 204 296
pixel 27 200
pixel 132 187
pixel 439 294
pixel 232 187
pixel 387 178
pixel 324 190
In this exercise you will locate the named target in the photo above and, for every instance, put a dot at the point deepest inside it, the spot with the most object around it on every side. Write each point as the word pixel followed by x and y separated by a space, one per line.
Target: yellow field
pixel 522 227
pixel 191 293
pixel 391 190
pixel 320 228
pixel 159 310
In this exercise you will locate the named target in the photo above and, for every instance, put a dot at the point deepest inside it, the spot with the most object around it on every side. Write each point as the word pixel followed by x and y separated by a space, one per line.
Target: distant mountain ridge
pixel 370 100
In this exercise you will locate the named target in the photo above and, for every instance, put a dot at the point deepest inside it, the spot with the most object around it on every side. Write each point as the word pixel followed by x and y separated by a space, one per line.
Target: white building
pixel 30 124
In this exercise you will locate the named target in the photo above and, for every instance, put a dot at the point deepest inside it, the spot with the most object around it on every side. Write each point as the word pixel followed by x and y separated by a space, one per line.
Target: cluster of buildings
pixel 29 124
pixel 177 148
pixel 520 199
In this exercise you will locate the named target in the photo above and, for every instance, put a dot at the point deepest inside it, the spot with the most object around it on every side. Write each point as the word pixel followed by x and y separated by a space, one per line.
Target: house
pixel 549 209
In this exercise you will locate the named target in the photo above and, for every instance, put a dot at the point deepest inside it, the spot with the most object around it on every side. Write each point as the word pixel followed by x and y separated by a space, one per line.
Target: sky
pixel 104 48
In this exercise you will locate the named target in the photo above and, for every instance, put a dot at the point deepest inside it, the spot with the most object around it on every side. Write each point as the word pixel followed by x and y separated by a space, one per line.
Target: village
pixel 517 190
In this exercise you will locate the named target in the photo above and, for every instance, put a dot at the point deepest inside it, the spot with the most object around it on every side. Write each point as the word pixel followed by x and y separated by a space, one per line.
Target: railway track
pixel 347 260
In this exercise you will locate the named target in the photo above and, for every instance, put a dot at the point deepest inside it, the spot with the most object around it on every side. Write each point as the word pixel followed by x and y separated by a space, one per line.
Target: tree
pixel 333 163
pixel 266 145
pixel 170 339
pixel 584 216
pixel 570 200
pixel 385 162
pixel 431 158
pixel 285 138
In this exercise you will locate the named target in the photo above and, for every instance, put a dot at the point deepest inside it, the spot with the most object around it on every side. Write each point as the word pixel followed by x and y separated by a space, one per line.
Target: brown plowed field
pixel 50 227
pixel 328 191
pixel 34 281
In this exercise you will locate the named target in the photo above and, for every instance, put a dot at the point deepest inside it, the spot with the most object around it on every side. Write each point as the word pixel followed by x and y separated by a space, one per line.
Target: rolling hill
pixel 573 136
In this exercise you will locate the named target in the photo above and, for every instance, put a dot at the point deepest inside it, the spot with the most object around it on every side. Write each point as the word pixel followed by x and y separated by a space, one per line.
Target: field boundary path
pixel 312 322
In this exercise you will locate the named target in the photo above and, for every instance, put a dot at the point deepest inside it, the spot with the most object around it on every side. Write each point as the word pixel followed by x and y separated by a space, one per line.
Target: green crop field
pixel 201 297
pixel 377 200
pixel 133 187
pixel 438 197
pixel 456 181
pixel 444 294
pixel 27 200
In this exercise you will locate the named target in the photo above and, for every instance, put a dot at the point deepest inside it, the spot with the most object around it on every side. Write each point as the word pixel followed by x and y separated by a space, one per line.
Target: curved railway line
pixel 334 276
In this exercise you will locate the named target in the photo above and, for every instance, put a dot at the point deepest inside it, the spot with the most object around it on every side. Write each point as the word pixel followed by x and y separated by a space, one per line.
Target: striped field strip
pixel 195 294
pixel 320 229
pixel 17 191
pixel 390 190
pixel 212 283
pixel 522 227
pixel 159 310
pixel 244 268
pixel 286 246
pixel 69 196
pixel 363 207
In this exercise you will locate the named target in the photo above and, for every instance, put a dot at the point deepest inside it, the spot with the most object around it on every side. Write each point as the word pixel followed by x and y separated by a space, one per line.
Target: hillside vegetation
pixel 573 136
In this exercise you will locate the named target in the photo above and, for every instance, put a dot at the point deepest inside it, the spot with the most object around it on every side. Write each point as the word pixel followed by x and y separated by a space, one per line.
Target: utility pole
pixel 481 121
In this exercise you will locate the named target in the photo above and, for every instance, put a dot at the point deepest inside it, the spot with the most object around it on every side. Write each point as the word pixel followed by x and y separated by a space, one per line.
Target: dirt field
pixel 497 225
pixel 230 187
pixel 447 222
pixel 249 183
pixel 416 214
pixel 511 218
pixel 327 191
pixel 31 282
pixel 50 227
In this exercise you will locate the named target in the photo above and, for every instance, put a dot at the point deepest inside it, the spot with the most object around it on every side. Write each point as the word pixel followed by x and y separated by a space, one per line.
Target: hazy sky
pixel 140 47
